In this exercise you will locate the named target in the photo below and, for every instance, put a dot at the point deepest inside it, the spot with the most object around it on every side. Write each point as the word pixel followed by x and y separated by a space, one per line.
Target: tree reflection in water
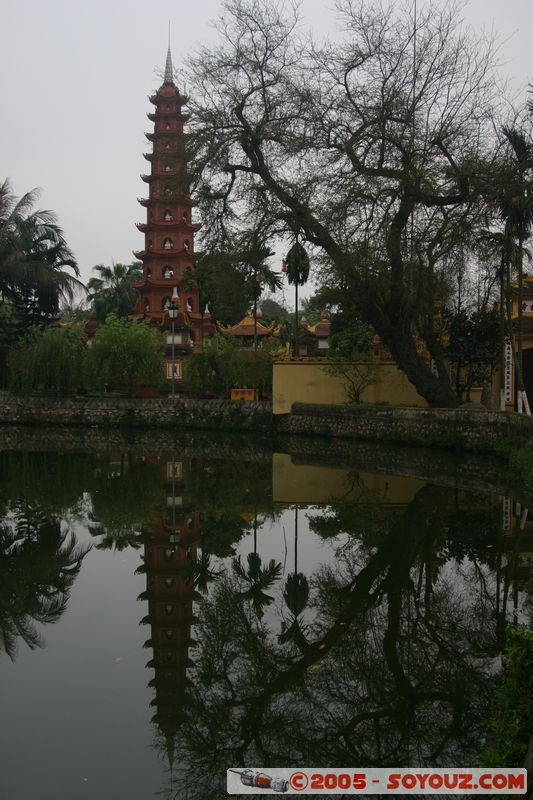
pixel 39 562
pixel 125 494
pixel 387 658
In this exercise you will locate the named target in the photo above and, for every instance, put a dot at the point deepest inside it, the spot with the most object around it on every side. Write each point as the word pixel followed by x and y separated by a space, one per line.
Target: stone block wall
pixel 125 412
pixel 460 429
pixel 474 430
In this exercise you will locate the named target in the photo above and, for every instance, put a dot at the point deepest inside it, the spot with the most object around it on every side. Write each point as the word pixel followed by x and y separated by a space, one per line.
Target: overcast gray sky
pixel 74 80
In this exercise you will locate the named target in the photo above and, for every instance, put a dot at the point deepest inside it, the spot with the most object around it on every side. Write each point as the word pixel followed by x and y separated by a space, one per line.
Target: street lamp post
pixel 174 538
pixel 173 313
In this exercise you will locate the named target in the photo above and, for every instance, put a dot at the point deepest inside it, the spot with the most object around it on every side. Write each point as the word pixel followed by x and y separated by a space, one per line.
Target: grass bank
pixel 510 728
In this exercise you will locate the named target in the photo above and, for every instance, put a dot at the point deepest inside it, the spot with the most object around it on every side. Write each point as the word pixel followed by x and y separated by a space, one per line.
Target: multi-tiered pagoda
pixel 170 545
pixel 167 257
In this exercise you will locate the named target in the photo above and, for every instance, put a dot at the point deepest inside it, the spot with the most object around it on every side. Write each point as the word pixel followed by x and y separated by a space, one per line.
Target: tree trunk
pixel 458 379
pixel 255 320
pixel 296 335
pixel 296 539
pixel 435 389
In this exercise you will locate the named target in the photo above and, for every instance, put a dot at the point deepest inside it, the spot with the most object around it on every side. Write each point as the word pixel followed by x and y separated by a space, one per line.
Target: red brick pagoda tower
pixel 167 257
pixel 170 544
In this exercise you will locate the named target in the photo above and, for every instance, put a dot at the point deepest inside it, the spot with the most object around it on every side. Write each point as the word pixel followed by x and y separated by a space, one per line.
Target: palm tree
pixel 253 258
pixel 112 291
pixel 296 596
pixel 298 266
pixel 33 257
pixel 75 312
pixel 258 579
pixel 39 562
pixel 203 573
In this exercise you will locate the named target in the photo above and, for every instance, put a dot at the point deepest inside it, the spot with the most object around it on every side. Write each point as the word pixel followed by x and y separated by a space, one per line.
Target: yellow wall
pixel 305 381
pixel 308 484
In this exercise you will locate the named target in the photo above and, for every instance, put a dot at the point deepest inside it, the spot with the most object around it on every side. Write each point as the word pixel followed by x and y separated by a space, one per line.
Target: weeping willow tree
pixel 125 354
pixel 51 361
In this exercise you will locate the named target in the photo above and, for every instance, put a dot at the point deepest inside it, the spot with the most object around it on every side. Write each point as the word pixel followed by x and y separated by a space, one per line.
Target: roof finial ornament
pixel 169 71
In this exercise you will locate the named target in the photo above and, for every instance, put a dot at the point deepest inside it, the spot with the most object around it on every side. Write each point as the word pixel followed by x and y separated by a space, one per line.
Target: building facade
pixel 510 382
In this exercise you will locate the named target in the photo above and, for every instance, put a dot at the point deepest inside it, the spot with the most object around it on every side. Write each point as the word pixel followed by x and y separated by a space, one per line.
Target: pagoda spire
pixel 169 71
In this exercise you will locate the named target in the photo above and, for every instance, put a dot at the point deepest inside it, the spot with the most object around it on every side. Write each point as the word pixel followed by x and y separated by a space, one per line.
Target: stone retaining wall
pixel 125 412
pixel 479 473
pixel 163 442
pixel 462 429
pixel 474 430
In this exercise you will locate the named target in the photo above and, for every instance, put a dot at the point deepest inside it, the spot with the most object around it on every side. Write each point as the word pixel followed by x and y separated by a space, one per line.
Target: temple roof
pixel 320 328
pixel 246 327
pixel 527 285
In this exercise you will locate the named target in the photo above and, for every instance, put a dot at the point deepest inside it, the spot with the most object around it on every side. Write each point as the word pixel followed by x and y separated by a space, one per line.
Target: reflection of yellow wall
pixel 313 485
pixel 307 382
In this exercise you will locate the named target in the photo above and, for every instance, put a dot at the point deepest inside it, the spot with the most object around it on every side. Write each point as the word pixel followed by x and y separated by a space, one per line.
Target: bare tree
pixel 368 147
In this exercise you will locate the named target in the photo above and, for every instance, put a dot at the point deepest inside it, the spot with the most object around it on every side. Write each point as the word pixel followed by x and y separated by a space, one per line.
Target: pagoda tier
pixel 181 181
pixel 154 201
pixel 149 643
pixel 150 283
pixel 166 135
pixel 167 255
pixel 170 114
pixel 154 98
pixel 184 324
pixel 163 152
pixel 163 252
pixel 168 224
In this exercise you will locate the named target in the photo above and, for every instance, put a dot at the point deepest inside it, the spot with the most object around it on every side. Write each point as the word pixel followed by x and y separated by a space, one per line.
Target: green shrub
pixel 513 708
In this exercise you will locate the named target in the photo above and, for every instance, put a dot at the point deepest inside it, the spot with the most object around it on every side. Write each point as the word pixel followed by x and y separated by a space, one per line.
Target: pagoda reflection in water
pixel 170 543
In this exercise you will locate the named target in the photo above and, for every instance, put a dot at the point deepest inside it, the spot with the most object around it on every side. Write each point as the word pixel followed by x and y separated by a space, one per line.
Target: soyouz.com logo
pixel 321 780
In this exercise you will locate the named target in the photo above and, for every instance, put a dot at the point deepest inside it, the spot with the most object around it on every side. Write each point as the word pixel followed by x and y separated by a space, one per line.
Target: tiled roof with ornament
pixel 246 327
pixel 321 328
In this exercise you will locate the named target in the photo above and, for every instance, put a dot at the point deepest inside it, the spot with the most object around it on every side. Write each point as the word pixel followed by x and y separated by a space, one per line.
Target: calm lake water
pixel 170 609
